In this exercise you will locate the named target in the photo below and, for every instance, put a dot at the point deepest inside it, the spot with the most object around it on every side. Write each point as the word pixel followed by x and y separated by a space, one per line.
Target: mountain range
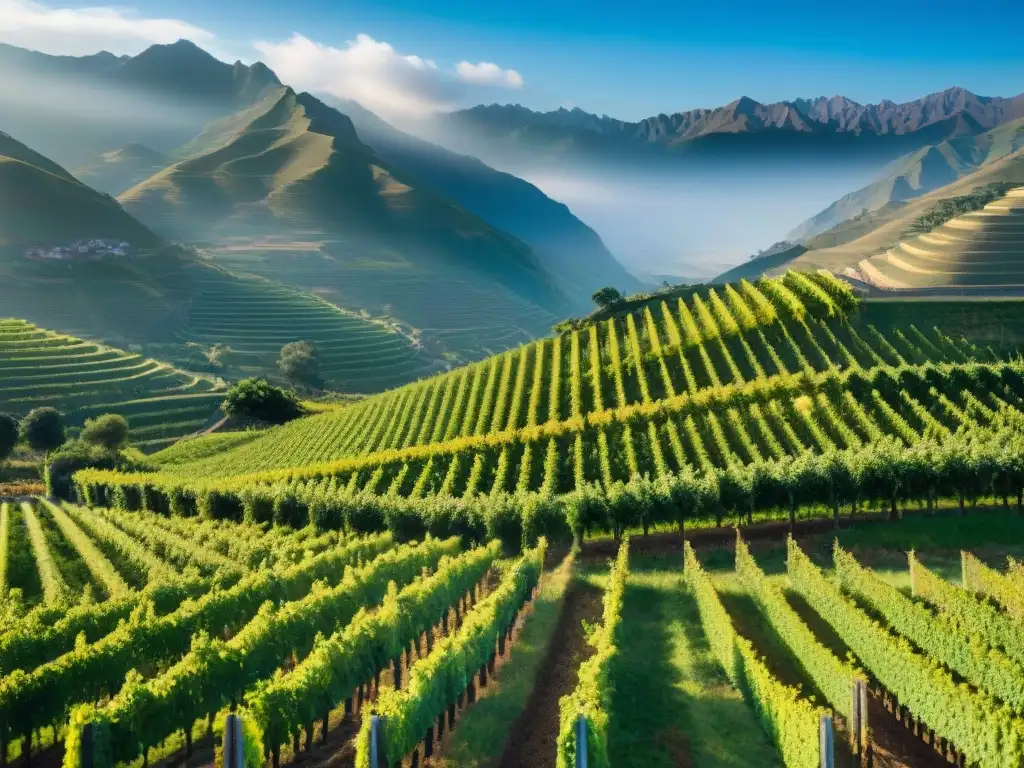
pixel 791 127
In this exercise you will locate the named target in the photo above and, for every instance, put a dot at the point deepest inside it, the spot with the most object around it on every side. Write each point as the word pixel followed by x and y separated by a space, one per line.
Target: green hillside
pixel 45 205
pixel 734 375
pixel 83 380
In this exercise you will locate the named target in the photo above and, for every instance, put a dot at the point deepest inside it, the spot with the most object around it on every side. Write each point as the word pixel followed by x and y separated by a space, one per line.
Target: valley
pixel 333 436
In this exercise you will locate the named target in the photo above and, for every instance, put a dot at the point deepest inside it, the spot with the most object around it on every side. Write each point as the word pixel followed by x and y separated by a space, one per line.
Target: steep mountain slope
pixel 74 108
pixel 294 167
pixel 115 171
pixel 897 226
pixel 920 172
pixel 566 246
pixel 44 204
pixel 804 125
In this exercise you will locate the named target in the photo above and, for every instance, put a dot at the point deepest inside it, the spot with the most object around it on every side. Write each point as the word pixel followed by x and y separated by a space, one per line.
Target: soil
pixel 533 737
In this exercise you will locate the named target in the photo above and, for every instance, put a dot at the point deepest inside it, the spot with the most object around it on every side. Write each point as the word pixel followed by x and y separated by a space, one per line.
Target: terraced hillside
pixel 980 249
pixel 254 318
pixel 83 380
pixel 721 340
pixel 467 319
pixel 725 400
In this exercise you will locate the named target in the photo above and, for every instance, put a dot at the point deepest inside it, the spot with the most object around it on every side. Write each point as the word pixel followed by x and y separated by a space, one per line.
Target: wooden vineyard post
pixel 855 721
pixel 234 757
pixel 581 742
pixel 826 742
pixel 865 725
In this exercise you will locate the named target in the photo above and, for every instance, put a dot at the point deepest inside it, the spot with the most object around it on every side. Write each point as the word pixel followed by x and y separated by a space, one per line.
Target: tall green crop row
pixel 937 635
pixel 985 731
pixel 833 677
pixel 352 656
pixel 969 613
pixel 215 672
pixel 437 681
pixel 592 697
pixel 978 577
pixel 789 719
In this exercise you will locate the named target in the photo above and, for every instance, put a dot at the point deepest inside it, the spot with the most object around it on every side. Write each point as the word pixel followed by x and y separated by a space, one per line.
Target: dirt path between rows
pixel 533 737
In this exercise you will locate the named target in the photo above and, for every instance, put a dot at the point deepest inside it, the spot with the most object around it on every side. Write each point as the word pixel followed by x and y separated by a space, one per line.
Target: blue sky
pixel 633 59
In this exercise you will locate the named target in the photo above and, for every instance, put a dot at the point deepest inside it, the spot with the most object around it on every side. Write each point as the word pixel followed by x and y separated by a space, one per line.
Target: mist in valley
pixel 697 225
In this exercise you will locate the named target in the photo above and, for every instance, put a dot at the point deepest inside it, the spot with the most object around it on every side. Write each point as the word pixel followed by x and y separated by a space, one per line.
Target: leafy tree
pixel 8 437
pixel 606 297
pixel 259 400
pixel 300 363
pixel 43 429
pixel 109 431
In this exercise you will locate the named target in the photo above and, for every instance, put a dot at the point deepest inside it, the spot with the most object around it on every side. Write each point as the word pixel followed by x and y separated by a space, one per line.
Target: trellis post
pixel 826 742
pixel 234 756
pixel 581 742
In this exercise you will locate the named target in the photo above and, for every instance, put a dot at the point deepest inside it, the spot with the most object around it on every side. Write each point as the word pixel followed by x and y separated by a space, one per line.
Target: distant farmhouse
pixel 91 249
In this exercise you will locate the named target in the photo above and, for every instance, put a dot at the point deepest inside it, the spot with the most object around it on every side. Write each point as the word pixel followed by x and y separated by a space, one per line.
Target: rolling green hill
pixel 622 381
pixel 83 380
pixel 45 205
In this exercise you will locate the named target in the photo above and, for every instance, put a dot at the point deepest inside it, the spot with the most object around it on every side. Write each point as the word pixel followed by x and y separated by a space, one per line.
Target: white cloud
pixel 488 73
pixel 380 78
pixel 81 31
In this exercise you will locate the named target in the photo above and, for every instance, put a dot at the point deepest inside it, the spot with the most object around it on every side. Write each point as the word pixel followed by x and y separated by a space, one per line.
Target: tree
pixel 109 431
pixel 259 400
pixel 606 297
pixel 300 363
pixel 8 437
pixel 43 429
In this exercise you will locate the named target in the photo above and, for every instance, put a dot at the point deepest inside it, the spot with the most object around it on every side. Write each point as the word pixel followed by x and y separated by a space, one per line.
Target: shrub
pixel 43 430
pixel 290 510
pixel 258 400
pixel 109 431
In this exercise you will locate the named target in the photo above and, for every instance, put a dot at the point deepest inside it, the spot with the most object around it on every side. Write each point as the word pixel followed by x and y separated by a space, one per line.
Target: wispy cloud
pixel 380 78
pixel 81 31
pixel 488 73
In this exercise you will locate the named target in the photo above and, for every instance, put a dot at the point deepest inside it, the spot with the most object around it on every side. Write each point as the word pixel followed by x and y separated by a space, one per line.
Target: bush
pixel 109 431
pixel 8 436
pixel 300 363
pixel 258 400
pixel 43 430
pixel 63 464
pixel 258 505
pixel 290 510
pixel 220 505
pixel 325 516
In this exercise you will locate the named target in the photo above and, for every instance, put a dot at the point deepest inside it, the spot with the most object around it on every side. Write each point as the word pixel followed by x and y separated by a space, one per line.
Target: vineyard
pixel 82 379
pixel 573 553
pixel 740 401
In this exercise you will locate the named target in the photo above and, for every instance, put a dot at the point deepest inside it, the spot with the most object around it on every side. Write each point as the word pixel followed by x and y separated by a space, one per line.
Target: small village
pixel 90 249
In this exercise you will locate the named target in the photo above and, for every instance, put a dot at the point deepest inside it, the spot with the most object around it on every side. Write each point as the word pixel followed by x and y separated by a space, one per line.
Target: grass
pixel 672 704
pixel 483 730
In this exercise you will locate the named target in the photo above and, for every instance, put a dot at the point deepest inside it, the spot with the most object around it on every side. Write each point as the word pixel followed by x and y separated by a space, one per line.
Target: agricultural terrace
pixel 83 380
pixel 253 318
pixel 469 317
pixel 742 401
